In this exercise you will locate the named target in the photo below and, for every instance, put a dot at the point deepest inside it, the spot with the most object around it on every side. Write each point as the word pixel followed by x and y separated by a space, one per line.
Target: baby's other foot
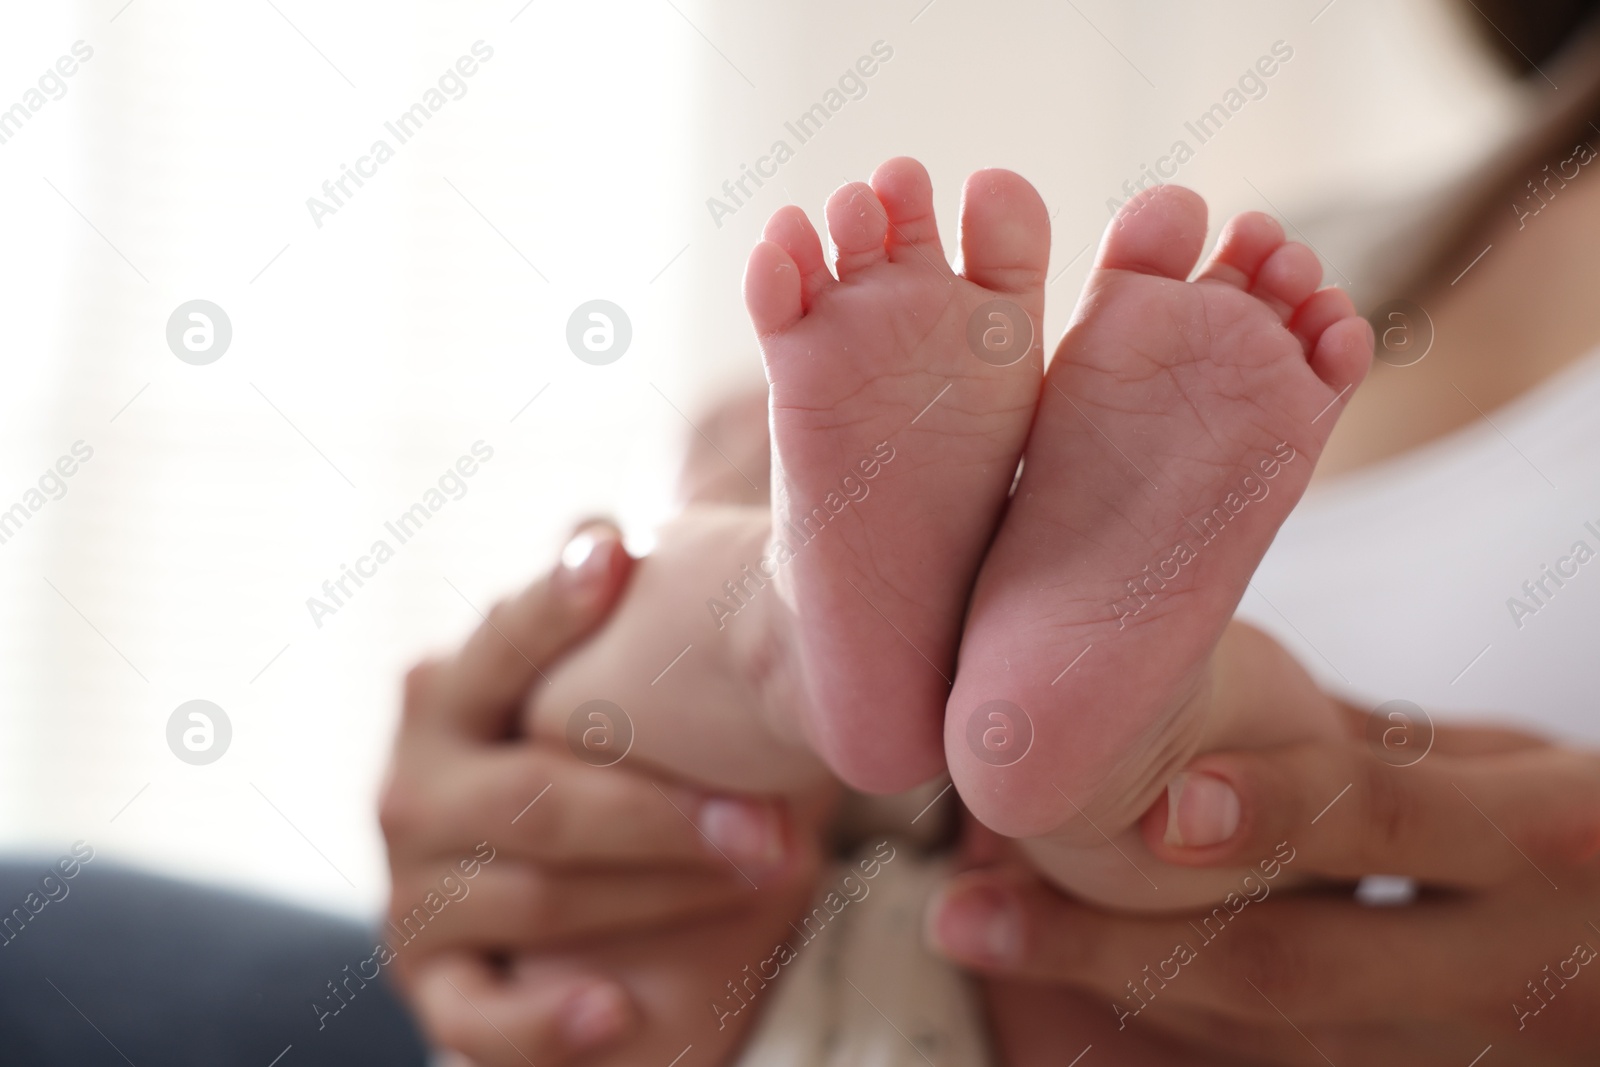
pixel 894 444
pixel 1178 427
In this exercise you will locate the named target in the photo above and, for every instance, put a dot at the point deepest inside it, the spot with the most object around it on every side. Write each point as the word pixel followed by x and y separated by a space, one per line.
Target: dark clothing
pixel 132 968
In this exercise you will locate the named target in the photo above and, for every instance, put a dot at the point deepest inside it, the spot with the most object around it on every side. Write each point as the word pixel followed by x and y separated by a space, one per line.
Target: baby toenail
pixel 1201 810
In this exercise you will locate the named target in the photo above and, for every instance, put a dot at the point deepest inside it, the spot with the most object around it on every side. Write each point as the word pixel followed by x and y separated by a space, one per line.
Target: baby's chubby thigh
pixel 1262 697
pixel 678 681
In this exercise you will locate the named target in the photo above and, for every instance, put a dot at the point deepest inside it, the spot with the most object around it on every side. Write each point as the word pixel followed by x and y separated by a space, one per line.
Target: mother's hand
pixel 1499 949
pixel 559 850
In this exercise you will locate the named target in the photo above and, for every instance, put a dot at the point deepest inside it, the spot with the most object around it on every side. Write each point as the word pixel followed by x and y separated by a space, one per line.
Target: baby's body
pixel 1060 640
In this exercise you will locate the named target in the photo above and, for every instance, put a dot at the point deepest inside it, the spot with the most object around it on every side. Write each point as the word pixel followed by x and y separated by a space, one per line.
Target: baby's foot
pixel 1178 427
pixel 894 444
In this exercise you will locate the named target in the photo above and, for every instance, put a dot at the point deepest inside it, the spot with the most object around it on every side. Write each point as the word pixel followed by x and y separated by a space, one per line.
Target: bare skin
pixel 886 500
pixel 877 393
pixel 1521 315
pixel 592 927
pixel 1431 985
pixel 1397 410
pixel 1180 422
pixel 1225 386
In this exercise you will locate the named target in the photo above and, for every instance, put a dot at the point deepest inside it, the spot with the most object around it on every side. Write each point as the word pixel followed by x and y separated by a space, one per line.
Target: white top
pixel 1404 580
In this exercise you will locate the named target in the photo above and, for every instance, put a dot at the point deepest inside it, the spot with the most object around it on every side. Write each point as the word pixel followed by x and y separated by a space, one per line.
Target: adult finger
pixel 1469 821
pixel 477 691
pixel 520 906
pixel 503 1019
pixel 536 802
pixel 1447 739
pixel 1314 958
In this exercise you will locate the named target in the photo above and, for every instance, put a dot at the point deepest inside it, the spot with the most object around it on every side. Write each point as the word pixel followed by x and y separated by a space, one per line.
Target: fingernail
pixel 748 833
pixel 586 563
pixel 1201 810
pixel 979 924
pixel 594 1015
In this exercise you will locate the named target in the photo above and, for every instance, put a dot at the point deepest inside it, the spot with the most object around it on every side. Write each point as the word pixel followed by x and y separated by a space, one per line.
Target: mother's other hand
pixel 1501 830
pixel 559 850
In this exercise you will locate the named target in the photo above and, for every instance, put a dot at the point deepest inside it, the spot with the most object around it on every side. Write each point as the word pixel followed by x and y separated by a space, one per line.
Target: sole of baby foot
pixel 1178 427
pixel 902 389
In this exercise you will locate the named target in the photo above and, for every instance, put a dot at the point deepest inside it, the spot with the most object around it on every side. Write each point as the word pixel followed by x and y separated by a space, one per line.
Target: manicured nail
pixel 1201 810
pixel 594 1015
pixel 750 834
pixel 585 563
pixel 979 924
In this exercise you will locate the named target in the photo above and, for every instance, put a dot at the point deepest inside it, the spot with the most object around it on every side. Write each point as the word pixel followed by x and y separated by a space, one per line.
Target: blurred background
pixel 375 344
